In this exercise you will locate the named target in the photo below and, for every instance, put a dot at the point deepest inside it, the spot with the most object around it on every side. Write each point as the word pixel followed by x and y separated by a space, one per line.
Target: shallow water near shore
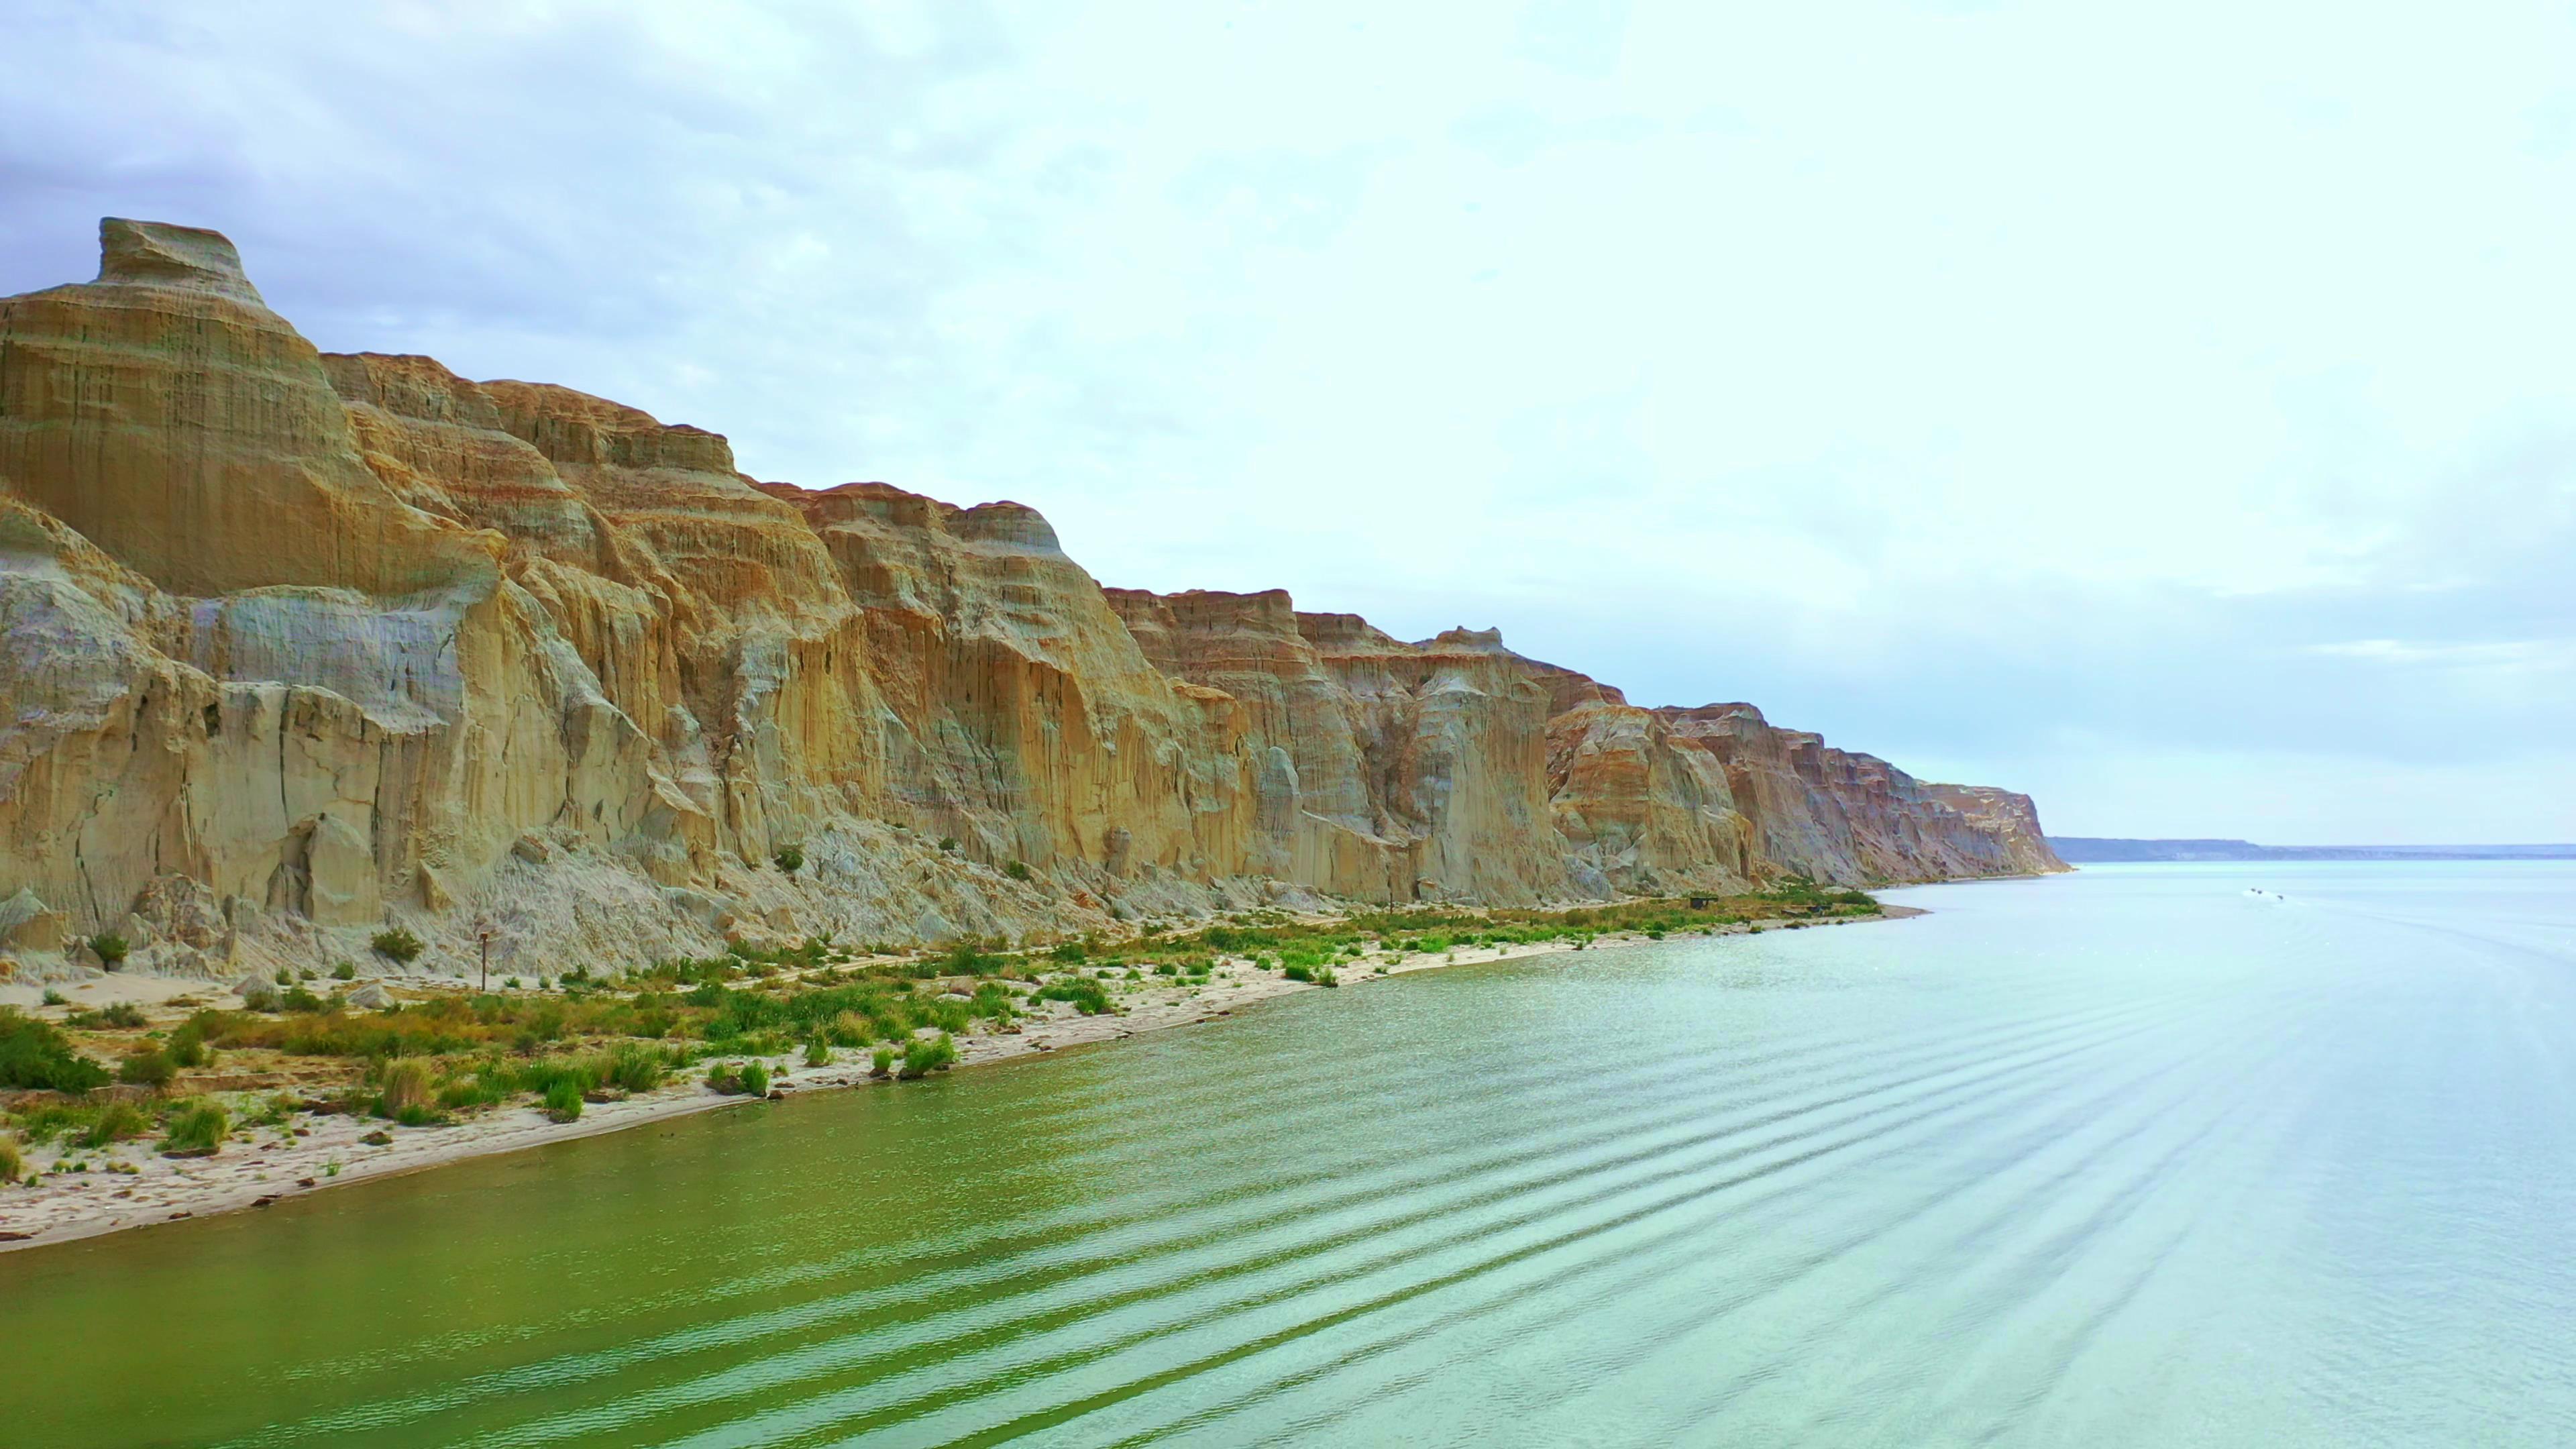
pixel 2129 1157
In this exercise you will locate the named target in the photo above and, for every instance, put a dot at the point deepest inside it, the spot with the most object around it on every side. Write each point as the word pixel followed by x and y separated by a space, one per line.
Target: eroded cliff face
pixel 294 646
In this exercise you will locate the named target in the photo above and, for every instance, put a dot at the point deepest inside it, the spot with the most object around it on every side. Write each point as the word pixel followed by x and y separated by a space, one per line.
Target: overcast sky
pixel 2171 413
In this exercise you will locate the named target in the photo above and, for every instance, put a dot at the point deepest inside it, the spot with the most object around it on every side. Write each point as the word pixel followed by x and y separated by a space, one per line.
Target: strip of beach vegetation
pixel 124 1115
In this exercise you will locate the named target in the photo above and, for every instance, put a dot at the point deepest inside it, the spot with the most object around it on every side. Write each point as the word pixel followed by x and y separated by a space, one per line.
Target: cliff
pixel 296 646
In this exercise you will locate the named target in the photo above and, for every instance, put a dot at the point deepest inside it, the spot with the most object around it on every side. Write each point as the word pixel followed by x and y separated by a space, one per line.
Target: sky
pixel 2168 410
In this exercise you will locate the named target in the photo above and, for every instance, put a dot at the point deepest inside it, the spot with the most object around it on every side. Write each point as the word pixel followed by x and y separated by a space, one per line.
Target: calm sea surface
pixel 2125 1158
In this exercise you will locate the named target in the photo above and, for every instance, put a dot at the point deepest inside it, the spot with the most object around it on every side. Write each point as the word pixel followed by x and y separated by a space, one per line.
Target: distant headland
pixel 2105 850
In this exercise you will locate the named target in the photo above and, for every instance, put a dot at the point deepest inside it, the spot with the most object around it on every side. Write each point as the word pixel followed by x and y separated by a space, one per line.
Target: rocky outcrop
pixel 295 646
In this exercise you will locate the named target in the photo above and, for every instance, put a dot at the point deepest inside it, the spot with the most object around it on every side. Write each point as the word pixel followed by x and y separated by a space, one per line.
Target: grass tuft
pixel 563 1100
pixel 927 1054
pixel 197 1130
pixel 150 1067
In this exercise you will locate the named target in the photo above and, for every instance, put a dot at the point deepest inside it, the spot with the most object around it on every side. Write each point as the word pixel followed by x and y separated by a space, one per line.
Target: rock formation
pixel 301 646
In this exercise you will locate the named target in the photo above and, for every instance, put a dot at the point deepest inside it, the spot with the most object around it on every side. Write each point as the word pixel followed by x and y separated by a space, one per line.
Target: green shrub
pixel 994 1001
pixel 36 1056
pixel 147 1068
pixel 963 959
pixel 1069 952
pixel 197 1130
pixel 13 1162
pixel 1300 971
pixel 298 998
pixel 881 1062
pixel 926 1054
pixel 818 1053
pixel 725 1077
pixel 948 842
pixel 1325 977
pixel 633 1068
pixel 1086 996
pixel 110 949
pixel 345 971
pixel 755 1079
pixel 1017 870
pixel 789 859
pixel 187 1045
pixel 563 1100
pixel 482 1089
pixel 116 1122
pixel 56 998
pixel 124 1013
pixel 399 945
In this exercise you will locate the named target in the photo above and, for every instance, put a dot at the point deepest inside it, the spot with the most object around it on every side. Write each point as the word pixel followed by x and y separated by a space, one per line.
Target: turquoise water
pixel 2125 1158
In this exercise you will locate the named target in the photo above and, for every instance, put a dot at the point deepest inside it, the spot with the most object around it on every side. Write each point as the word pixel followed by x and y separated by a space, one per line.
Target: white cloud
pixel 2516 655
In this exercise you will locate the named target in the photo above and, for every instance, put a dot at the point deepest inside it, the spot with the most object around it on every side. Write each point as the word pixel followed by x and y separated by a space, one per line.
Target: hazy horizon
pixel 2166 415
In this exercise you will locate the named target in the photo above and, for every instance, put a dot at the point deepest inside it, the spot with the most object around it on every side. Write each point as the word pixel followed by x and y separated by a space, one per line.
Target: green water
pixel 2128 1158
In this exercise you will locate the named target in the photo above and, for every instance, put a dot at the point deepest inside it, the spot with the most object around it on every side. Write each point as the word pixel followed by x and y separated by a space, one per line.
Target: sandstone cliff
pixel 295 646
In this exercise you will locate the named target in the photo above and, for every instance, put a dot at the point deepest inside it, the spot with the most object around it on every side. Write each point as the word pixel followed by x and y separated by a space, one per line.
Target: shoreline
pixel 321 1152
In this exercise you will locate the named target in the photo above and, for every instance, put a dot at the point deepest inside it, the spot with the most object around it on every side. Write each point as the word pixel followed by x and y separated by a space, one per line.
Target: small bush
pixel 56 998
pixel 13 1163
pixel 1086 996
pixel 1017 870
pixel 147 1068
pixel 633 1068
pixel 818 1053
pixel 755 1079
pixel 124 1013
pixel 398 945
pixel 34 1055
pixel 298 998
pixel 1299 971
pixel 406 1089
pixel 789 859
pixel 948 842
pixel 926 1054
pixel 116 1122
pixel 563 1100
pixel 110 949
pixel 187 1046
pixel 197 1130
pixel 345 971
pixel 881 1062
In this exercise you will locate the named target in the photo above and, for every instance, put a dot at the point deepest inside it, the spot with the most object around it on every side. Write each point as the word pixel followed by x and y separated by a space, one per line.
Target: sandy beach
pixel 130 1185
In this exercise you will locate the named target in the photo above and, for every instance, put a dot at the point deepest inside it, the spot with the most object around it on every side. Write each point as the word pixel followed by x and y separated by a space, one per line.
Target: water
pixel 2123 1158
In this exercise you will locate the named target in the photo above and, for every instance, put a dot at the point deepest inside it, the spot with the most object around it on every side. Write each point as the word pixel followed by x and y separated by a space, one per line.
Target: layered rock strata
pixel 294 647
